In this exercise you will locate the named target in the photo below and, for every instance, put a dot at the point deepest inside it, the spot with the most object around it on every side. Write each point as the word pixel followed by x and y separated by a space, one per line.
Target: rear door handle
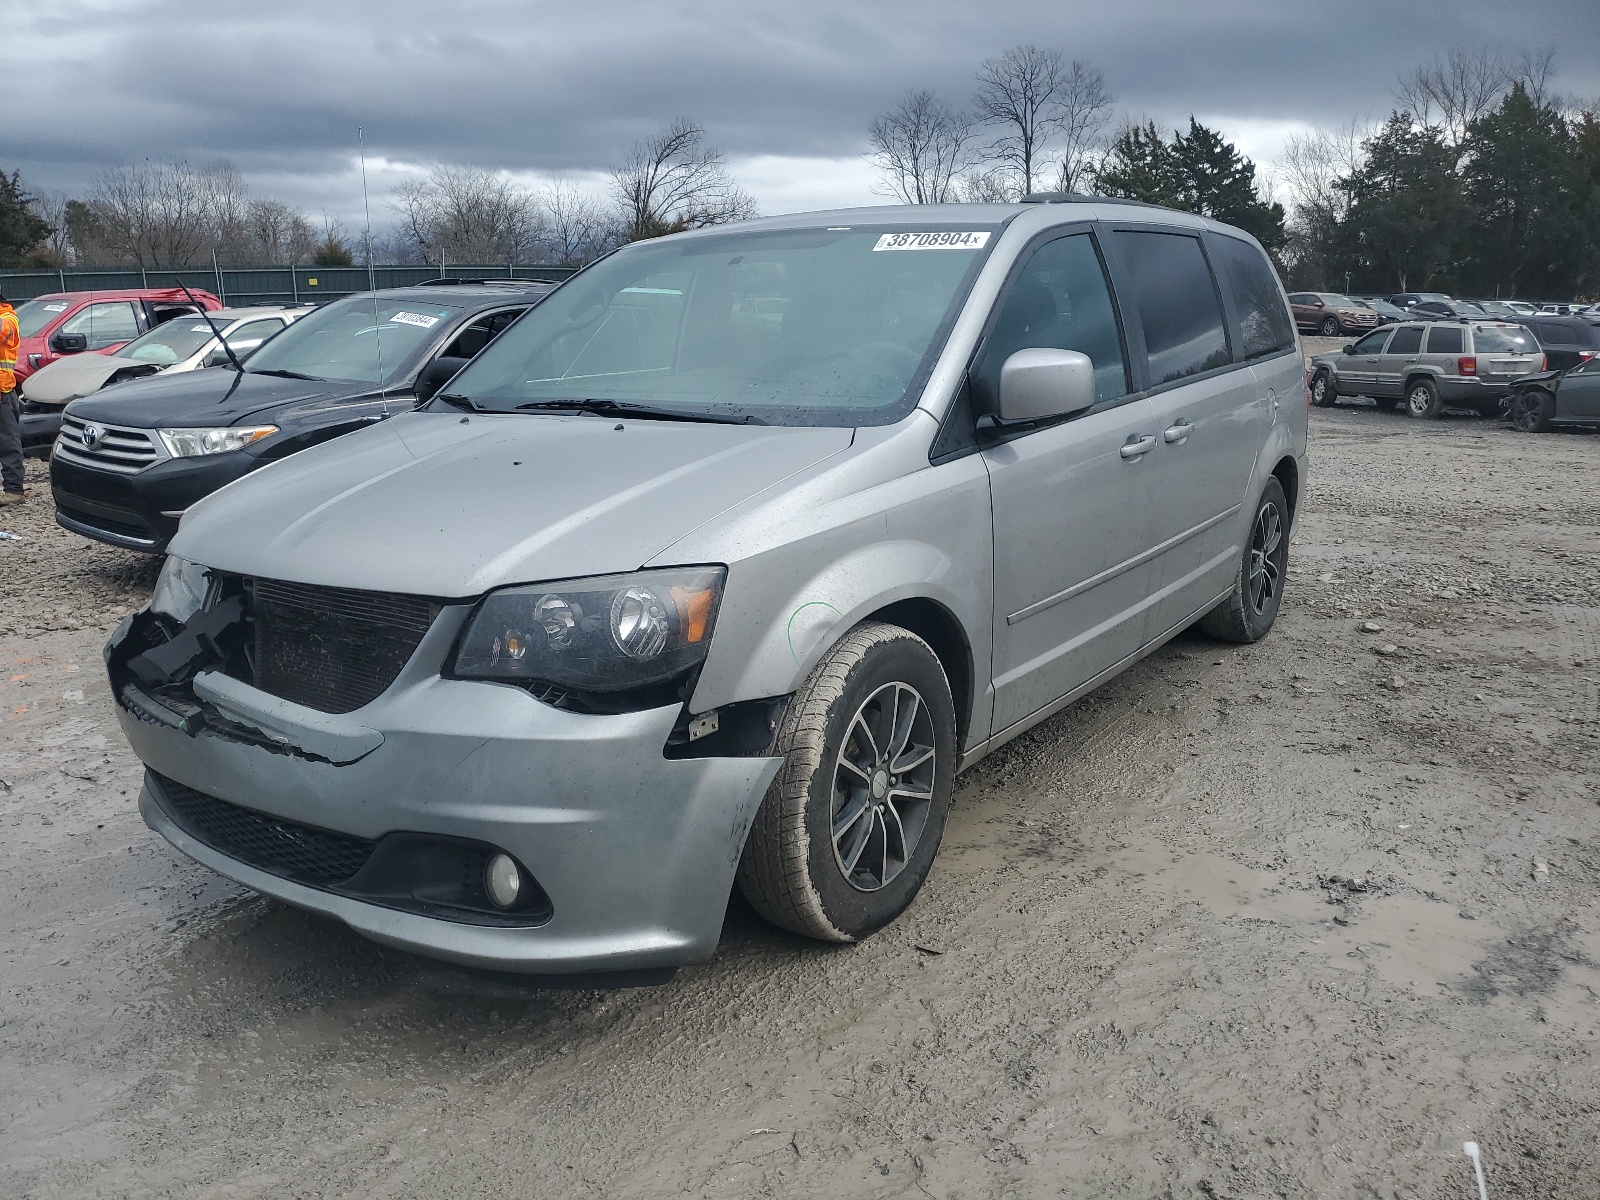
pixel 1175 434
pixel 1138 444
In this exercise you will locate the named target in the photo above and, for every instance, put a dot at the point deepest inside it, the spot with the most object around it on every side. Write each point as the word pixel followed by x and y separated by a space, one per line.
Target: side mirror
pixel 1040 383
pixel 1349 348
pixel 69 343
pixel 438 373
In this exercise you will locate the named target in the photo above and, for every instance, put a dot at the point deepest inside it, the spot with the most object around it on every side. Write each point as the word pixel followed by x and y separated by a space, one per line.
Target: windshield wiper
pixel 455 401
pixel 288 375
pixel 626 408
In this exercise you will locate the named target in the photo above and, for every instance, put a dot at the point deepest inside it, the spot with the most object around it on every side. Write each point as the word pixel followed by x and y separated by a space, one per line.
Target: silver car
pixel 714 569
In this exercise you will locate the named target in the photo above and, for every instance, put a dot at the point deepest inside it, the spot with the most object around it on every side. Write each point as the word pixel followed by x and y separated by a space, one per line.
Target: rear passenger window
pixel 1407 340
pixel 1264 322
pixel 1060 301
pixel 1444 340
pixel 1178 306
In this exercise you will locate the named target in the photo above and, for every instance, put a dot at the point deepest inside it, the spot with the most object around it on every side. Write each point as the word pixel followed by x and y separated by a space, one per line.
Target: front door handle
pixel 1176 434
pixel 1138 444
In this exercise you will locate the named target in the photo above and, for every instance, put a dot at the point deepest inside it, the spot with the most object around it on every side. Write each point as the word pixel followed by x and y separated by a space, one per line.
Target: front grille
pixel 125 451
pixel 332 649
pixel 303 853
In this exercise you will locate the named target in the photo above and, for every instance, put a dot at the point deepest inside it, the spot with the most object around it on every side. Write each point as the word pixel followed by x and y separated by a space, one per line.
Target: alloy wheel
pixel 1524 413
pixel 1419 401
pixel 1266 566
pixel 882 786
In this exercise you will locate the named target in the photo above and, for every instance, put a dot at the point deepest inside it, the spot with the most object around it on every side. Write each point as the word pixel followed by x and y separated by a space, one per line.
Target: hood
pixel 74 376
pixel 436 505
pixel 217 396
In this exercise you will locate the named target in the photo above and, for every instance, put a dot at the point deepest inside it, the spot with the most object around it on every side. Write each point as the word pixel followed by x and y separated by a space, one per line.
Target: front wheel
pixel 848 830
pixel 1250 609
pixel 1532 410
pixel 1330 327
pixel 1323 393
pixel 1422 399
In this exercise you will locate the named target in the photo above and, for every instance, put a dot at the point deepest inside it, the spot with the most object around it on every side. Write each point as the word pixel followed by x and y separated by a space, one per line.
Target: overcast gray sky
pixel 280 86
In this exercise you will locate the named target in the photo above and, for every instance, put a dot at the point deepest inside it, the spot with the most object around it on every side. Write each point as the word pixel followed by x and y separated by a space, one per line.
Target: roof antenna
pixel 372 276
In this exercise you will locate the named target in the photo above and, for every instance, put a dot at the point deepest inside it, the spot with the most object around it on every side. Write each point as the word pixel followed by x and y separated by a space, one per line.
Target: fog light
pixel 502 880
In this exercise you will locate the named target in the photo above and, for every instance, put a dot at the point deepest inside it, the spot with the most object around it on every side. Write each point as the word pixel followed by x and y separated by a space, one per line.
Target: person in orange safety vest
pixel 11 491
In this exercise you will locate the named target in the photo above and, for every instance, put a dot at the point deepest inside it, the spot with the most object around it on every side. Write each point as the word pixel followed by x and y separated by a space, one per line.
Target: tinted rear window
pixel 1264 323
pixel 1407 340
pixel 1443 340
pixel 1178 306
pixel 1553 333
pixel 1503 341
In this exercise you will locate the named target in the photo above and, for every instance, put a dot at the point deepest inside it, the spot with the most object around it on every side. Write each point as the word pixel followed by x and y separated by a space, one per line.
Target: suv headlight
pixel 192 443
pixel 605 634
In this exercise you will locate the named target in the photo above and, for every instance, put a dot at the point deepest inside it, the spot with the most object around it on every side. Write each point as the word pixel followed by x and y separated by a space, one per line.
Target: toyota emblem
pixel 91 436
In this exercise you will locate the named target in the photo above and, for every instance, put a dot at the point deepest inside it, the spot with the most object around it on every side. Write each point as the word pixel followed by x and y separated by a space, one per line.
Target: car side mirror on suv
pixel 1040 383
pixel 1349 348
pixel 69 343
pixel 436 374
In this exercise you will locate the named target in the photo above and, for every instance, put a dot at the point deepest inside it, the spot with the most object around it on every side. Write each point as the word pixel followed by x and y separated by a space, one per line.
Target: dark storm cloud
pixel 279 87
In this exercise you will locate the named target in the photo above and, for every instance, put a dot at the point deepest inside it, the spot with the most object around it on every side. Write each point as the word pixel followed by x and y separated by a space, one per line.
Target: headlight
pixel 192 443
pixel 180 589
pixel 606 634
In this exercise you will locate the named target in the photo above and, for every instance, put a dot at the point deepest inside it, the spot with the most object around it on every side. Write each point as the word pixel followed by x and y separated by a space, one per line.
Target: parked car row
pixel 63 323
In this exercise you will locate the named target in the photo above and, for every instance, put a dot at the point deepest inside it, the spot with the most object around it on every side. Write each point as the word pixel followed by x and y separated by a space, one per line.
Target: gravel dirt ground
pixel 1289 920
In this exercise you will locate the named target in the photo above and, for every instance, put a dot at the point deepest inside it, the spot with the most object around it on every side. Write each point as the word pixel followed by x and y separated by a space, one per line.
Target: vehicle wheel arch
pixel 1287 473
pixel 937 625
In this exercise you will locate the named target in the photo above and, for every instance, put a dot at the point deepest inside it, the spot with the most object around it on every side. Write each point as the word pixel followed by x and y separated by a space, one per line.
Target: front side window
pixel 1170 283
pixel 1407 340
pixel 1264 326
pixel 1060 300
pixel 1446 339
pixel 360 339
pixel 1373 342
pixel 820 326
pixel 104 324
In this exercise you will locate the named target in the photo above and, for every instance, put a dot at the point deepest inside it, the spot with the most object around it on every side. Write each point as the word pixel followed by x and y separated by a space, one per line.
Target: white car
pixel 183 344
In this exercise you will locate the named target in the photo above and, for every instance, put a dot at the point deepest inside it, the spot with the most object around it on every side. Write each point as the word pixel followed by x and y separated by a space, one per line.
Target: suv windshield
pixel 169 343
pixel 797 327
pixel 1334 300
pixel 360 339
pixel 34 315
pixel 1489 340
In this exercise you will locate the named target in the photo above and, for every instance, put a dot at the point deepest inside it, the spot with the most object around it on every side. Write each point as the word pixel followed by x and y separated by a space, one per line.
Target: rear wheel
pixel 1250 609
pixel 1532 410
pixel 1323 393
pixel 1330 327
pixel 1422 399
pixel 848 830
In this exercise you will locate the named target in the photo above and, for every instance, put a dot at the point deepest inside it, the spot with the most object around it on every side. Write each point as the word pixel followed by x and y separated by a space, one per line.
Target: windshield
pixel 170 342
pixel 1489 340
pixel 360 339
pixel 796 327
pixel 1334 300
pixel 33 316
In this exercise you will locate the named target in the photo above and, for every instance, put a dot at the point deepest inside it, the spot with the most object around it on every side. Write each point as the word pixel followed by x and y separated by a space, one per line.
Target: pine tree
pixel 1407 211
pixel 21 228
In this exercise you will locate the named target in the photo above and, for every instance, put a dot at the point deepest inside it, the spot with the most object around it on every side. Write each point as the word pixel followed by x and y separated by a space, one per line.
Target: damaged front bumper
pixel 635 851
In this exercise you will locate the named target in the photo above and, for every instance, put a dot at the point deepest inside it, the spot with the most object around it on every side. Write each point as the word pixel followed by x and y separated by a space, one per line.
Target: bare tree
pixel 920 148
pixel 1020 91
pixel 1454 90
pixel 577 229
pixel 1535 70
pixel 1081 116
pixel 997 185
pixel 57 244
pixel 468 214
pixel 674 181
pixel 154 214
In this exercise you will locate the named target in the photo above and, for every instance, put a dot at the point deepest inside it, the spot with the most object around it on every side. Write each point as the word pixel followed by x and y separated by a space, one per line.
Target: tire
pixel 1330 327
pixel 1386 403
pixel 793 870
pixel 1247 614
pixel 1422 399
pixel 1532 410
pixel 1323 392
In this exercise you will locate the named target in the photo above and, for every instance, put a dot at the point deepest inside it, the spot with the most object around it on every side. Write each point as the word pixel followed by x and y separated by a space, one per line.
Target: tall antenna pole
pixel 372 275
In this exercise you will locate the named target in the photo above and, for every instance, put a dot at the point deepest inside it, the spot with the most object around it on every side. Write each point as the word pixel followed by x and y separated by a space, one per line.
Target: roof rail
pixel 1082 198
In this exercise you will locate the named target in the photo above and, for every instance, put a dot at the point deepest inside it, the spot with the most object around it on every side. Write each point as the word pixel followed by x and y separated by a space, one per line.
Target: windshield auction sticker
pixel 933 241
pixel 420 320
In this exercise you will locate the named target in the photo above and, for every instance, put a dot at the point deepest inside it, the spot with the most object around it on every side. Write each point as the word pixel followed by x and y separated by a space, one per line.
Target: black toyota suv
pixel 130 460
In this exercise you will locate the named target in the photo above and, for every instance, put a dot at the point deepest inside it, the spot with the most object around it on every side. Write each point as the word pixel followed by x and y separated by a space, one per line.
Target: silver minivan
pixel 715 569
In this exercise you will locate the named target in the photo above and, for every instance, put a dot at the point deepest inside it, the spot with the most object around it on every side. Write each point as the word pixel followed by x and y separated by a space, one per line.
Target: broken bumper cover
pixel 636 851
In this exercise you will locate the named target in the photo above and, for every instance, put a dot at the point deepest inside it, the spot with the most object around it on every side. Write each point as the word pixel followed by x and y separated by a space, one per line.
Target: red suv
pixel 72 322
